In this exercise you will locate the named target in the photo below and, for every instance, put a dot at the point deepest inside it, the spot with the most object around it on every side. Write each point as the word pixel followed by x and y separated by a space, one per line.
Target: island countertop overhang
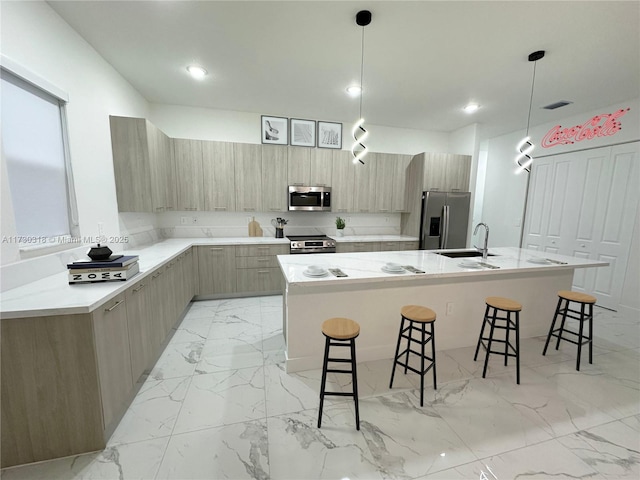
pixel 366 267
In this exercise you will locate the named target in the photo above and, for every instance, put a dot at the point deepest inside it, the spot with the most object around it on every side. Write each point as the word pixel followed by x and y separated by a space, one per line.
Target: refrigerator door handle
pixel 445 228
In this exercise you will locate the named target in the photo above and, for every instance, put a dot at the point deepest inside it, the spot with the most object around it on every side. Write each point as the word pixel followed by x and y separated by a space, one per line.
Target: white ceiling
pixel 423 60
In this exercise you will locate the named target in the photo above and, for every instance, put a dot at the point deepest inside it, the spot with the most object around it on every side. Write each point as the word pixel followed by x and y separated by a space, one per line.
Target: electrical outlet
pixel 386 219
pixel 184 220
pixel 450 308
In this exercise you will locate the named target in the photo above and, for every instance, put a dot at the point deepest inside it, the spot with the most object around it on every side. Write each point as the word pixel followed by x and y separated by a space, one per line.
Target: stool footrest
pixel 340 360
pixel 565 331
pixel 415 370
pixel 335 370
pixel 339 394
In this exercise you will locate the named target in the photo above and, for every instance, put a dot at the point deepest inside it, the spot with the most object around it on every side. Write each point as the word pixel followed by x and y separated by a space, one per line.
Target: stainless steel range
pixel 311 244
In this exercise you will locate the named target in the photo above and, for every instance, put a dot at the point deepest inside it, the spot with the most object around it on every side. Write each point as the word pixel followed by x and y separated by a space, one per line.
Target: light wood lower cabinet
pixel 111 337
pixel 216 270
pixel 68 379
pixel 51 404
pixel 257 268
pixel 140 325
pixel 348 247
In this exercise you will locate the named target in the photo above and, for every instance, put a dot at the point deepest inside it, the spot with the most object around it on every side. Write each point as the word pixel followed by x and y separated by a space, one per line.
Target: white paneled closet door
pixel 584 204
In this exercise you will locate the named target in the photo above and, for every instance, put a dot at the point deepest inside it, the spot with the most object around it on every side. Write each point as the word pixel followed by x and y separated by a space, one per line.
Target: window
pixel 38 170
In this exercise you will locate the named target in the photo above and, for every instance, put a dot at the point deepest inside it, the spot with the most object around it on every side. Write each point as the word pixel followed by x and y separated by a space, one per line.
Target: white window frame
pixel 28 250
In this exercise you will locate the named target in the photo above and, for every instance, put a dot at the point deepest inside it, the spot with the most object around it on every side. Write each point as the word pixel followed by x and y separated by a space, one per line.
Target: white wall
pixel 230 126
pixel 36 38
pixel 504 191
pixel 504 195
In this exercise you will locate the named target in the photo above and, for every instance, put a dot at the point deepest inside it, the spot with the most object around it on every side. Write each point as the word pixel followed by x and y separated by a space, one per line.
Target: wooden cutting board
pixel 253 227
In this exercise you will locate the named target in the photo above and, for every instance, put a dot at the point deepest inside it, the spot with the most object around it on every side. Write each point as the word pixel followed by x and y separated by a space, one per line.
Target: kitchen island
pixel 455 291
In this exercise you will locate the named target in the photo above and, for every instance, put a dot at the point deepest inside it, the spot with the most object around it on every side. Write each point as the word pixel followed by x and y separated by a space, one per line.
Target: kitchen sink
pixel 463 254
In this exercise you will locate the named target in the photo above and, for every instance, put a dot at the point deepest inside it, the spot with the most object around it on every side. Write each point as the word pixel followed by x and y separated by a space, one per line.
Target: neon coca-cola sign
pixel 603 125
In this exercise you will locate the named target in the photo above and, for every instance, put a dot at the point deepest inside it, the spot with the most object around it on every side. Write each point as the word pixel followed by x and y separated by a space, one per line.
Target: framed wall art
pixel 275 130
pixel 329 135
pixel 303 132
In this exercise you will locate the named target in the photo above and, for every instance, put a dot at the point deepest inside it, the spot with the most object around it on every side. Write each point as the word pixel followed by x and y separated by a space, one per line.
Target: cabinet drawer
pixel 389 246
pixel 259 280
pixel 256 262
pixel 409 245
pixel 261 250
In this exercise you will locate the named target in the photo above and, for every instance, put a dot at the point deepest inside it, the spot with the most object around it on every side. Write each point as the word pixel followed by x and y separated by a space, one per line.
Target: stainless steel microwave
pixel 310 199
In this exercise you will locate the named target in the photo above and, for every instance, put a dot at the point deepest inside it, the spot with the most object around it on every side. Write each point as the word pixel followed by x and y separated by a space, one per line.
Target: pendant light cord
pixel 361 71
pixel 533 82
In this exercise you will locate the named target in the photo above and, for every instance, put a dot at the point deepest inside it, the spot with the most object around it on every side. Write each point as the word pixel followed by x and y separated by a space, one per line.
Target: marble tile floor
pixel 218 404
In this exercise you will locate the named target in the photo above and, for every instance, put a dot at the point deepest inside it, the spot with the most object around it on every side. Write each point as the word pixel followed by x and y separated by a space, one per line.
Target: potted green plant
pixel 340 224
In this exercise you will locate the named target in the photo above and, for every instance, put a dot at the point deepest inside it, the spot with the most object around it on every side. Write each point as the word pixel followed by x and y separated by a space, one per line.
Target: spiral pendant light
pixel 359 133
pixel 524 159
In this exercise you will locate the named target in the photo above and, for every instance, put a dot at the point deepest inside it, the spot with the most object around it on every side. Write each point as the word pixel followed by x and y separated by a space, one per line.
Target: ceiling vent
pixel 553 106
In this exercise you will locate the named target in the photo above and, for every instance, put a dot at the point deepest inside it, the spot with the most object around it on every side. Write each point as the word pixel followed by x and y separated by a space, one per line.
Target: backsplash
pixel 227 224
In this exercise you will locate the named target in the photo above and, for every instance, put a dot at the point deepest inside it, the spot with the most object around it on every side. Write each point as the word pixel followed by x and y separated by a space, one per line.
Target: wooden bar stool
pixel 491 318
pixel 340 332
pixel 418 318
pixel 583 300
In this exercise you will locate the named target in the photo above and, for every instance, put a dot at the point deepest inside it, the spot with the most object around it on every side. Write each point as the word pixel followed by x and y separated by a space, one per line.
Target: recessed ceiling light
pixel 472 107
pixel 354 90
pixel 197 71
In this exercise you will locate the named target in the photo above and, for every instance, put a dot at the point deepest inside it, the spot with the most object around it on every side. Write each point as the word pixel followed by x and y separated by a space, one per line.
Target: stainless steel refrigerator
pixel 444 220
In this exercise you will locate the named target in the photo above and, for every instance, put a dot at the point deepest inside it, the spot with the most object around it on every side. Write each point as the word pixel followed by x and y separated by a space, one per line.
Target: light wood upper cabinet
pixel 298 165
pixel 399 194
pixel 435 171
pixel 162 172
pixel 309 166
pixel 248 177
pixel 130 147
pixel 365 185
pixel 218 167
pixel 187 156
pixel 458 173
pixel 274 178
pixel 321 166
pixel 385 177
pixel 343 182
pixel 446 172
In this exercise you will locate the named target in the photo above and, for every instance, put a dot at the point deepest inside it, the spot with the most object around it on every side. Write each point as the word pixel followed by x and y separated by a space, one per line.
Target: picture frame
pixel 302 132
pixel 329 135
pixel 274 130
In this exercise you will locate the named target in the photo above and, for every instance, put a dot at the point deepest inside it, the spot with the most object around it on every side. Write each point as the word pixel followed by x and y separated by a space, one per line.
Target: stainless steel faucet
pixel 485 249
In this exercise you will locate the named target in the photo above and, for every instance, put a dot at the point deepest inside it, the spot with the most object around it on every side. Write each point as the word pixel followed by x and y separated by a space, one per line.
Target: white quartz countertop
pixel 374 238
pixel 53 295
pixel 366 267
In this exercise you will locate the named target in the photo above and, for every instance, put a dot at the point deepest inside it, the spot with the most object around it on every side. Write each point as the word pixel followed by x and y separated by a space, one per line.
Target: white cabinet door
pixel 583 204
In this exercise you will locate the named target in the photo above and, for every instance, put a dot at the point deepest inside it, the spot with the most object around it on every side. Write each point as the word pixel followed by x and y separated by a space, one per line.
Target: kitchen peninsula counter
pixel 456 293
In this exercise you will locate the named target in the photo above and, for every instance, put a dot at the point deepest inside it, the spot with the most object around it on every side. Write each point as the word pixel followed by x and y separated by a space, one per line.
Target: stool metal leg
pixel 486 358
pixel 506 340
pixel 564 319
pixel 518 348
pixel 355 381
pixel 553 324
pixel 409 339
pixel 591 333
pixel 580 330
pixel 424 337
pixel 484 323
pixel 433 355
pixel 395 357
pixel 324 379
